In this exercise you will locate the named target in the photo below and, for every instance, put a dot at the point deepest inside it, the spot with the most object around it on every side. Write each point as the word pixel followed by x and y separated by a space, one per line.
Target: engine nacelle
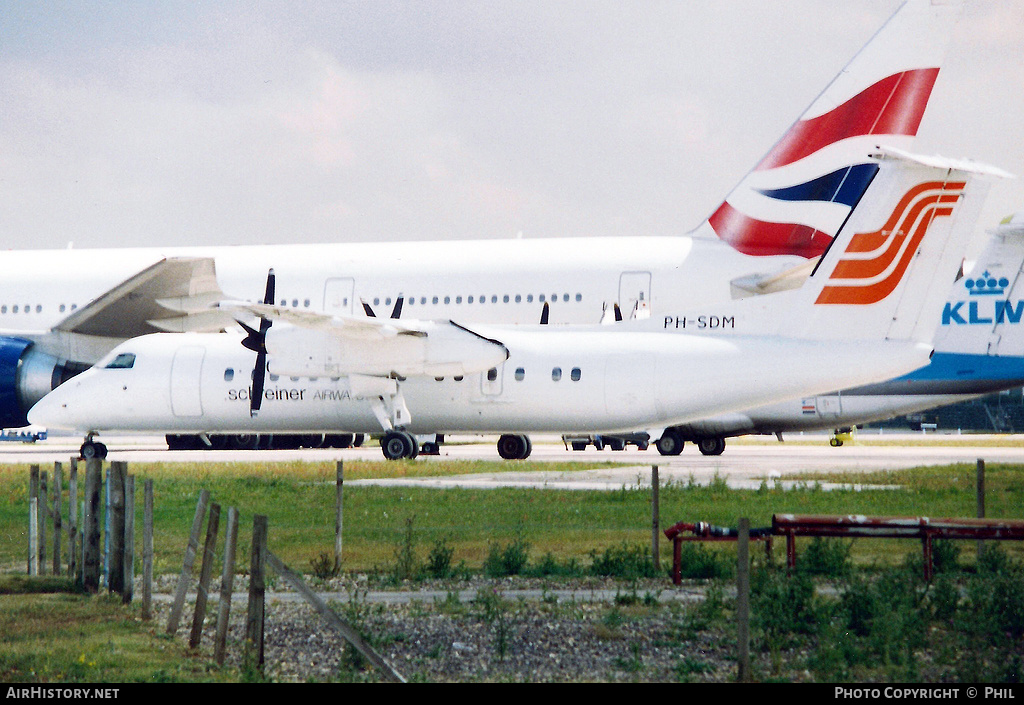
pixel 26 376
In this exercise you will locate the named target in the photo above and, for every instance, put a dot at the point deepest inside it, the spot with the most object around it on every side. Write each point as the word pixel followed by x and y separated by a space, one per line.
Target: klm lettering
pixel 982 312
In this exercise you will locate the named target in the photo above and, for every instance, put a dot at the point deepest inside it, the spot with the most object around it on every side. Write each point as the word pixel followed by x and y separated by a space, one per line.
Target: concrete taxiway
pixel 744 464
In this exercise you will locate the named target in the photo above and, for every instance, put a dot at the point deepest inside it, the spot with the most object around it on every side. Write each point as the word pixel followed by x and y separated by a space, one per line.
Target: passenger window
pixel 124 361
pixel 229 374
pixel 556 374
pixel 575 374
pixel 520 374
pixel 492 374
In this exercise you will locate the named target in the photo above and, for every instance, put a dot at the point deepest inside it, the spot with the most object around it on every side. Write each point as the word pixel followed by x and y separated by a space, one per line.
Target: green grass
pixel 298 498
pixel 75 638
pixel 60 635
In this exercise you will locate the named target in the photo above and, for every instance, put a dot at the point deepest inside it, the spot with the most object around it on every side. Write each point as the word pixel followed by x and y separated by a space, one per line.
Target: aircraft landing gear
pixel 398 444
pixel 92 449
pixel 711 445
pixel 670 443
pixel 839 436
pixel 513 447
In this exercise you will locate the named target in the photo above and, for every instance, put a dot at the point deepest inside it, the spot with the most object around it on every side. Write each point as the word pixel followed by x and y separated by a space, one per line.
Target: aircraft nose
pixel 51 411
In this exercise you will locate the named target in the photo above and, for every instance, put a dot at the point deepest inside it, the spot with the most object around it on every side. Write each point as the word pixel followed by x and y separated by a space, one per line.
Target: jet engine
pixel 26 376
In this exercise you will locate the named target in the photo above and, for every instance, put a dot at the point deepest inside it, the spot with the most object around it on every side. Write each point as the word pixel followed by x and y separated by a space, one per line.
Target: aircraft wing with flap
pixel 316 344
pixel 174 294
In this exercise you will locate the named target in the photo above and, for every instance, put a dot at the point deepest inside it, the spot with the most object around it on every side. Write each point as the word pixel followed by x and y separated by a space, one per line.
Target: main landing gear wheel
pixel 670 443
pixel 399 444
pixel 711 445
pixel 93 449
pixel 512 447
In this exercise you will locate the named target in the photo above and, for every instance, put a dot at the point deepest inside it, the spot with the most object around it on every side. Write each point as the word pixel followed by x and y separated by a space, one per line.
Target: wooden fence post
pixel 257 593
pixel 981 501
pixel 147 553
pixel 73 555
pixel 33 520
pixel 58 489
pixel 205 571
pixel 129 539
pixel 655 512
pixel 33 536
pixel 91 532
pixel 115 527
pixel 743 600
pixel 186 567
pixel 339 504
pixel 227 581
pixel 339 625
pixel 42 516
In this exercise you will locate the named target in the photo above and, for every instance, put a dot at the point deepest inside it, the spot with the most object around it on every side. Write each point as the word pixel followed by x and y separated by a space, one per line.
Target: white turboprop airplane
pixel 867 313
pixel 60 311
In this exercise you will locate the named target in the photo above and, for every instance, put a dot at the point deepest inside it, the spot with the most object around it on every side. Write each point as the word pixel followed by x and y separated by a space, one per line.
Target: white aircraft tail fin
pixel 799 195
pixel 888 271
pixel 984 311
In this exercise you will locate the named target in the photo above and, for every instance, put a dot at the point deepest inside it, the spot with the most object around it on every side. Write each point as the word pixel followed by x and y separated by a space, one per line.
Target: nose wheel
pixel 93 449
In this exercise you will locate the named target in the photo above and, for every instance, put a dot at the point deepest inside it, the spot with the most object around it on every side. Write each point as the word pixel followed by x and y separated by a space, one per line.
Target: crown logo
pixel 987 285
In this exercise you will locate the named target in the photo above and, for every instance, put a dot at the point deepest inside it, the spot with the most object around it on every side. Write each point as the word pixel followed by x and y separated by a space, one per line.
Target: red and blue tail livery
pixel 800 194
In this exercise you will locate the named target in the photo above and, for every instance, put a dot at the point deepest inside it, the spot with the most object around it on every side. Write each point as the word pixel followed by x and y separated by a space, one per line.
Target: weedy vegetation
pixel 853 610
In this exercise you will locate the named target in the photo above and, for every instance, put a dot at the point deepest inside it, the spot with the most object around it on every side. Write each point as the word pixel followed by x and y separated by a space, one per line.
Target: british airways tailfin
pixel 799 195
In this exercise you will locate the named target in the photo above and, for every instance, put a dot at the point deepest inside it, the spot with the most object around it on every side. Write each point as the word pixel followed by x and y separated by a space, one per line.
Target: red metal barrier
pixel 924 528
pixel 850 526
pixel 702 531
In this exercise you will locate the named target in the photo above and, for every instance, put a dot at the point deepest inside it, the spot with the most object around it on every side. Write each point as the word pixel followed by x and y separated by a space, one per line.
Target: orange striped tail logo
pixel 874 263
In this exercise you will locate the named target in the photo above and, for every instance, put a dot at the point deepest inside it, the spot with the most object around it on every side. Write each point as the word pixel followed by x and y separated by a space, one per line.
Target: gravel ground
pixel 513 630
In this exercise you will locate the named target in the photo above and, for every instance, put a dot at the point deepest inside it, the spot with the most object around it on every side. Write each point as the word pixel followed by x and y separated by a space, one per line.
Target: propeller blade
pixel 268 297
pixel 252 340
pixel 544 314
pixel 618 313
pixel 258 380
pixel 256 340
pixel 367 310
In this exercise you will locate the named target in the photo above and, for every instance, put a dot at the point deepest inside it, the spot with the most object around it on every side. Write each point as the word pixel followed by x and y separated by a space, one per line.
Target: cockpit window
pixel 124 361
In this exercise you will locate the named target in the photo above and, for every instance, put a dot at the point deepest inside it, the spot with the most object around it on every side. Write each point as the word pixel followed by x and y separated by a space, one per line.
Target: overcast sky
pixel 184 123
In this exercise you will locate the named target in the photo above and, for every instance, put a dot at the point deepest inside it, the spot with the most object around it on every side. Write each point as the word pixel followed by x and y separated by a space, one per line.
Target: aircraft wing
pixel 316 344
pixel 174 294
pixel 341 326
